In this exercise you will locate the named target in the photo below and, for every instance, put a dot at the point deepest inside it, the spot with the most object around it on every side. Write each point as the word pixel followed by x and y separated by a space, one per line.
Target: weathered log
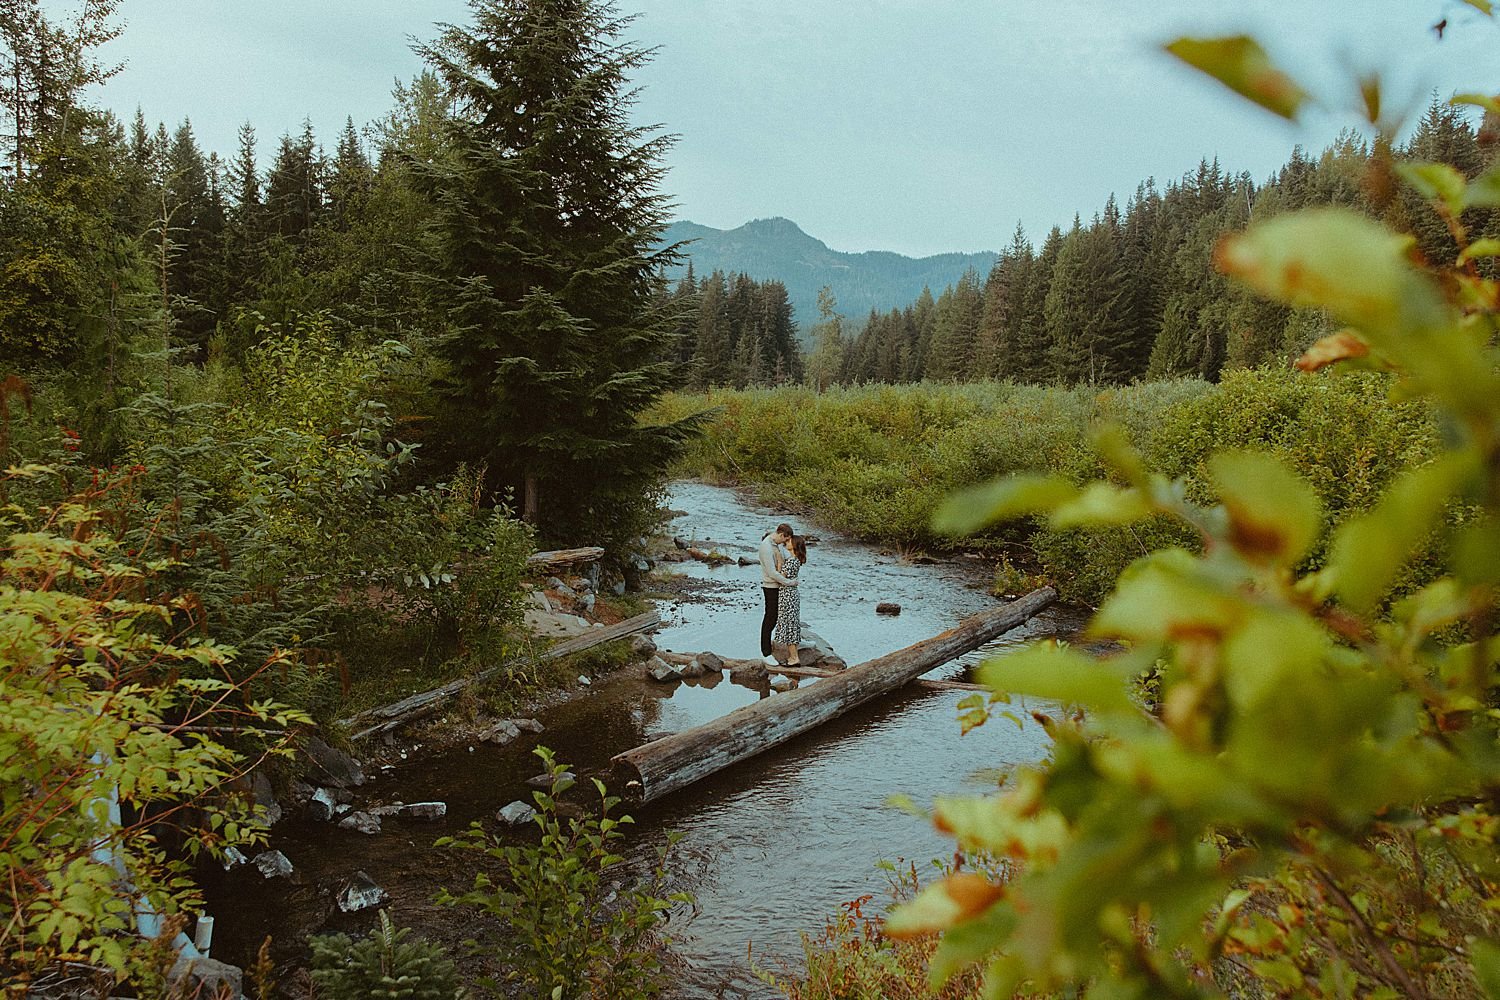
pixel 564 557
pixel 413 707
pixel 649 772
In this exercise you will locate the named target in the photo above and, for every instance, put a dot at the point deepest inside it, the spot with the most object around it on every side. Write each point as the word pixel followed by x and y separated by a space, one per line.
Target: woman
pixel 789 611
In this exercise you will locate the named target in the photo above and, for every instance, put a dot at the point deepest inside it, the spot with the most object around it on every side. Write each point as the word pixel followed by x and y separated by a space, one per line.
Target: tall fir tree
pixel 551 214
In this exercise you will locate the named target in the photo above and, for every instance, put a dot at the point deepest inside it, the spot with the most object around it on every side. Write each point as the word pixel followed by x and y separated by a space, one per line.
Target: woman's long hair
pixel 799 548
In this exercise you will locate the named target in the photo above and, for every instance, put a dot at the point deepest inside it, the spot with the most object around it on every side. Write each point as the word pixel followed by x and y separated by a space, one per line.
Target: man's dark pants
pixel 768 623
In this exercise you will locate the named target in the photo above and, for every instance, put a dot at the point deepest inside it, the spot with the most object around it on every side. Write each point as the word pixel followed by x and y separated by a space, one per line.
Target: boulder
pixel 320 806
pixel 360 893
pixel 206 977
pixel 814 641
pixel 360 822
pixel 273 864
pixel 326 766
pixel 832 663
pixel 642 645
pixel 587 602
pixel 660 670
pixel 541 602
pixel 693 668
pixel 746 561
pixel 887 608
pixel 618 589
pixel 784 684
pixel 515 814
pixel 300 792
pixel 710 661
pixel 502 732
pixel 264 798
pixel 583 585
pixel 752 674
pixel 562 589
pixel 528 725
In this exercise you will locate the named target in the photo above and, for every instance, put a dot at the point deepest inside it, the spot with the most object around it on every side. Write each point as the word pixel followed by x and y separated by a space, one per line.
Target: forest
pixel 281 431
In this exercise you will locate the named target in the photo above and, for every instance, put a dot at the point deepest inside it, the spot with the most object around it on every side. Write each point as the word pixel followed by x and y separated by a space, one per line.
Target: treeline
pixel 1133 293
pixel 736 331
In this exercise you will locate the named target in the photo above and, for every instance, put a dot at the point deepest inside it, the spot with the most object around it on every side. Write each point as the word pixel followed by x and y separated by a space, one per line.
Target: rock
pixel 541 602
pixel 887 608
pixel 710 661
pixel 502 732
pixel 784 684
pixel 330 767
pixel 515 814
pixel 528 725
pixel 583 585
pixel 751 674
pixel 661 670
pixel 746 561
pixel 391 809
pixel 264 798
pixel 554 625
pixel 360 822
pixel 320 806
pixel 640 563
pixel 812 640
pixel 234 857
pixel 300 792
pixel 680 543
pixel 206 977
pixel 342 796
pixel 563 590
pixel 425 810
pixel 642 645
pixel 273 864
pixel 342 808
pixel 833 663
pixel 587 602
pixel 544 781
pixel 693 668
pixel 360 893
pixel 618 589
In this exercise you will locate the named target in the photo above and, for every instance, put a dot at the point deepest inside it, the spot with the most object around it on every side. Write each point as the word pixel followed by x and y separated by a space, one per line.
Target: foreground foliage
pixel 117 731
pixel 1310 809
pixel 568 932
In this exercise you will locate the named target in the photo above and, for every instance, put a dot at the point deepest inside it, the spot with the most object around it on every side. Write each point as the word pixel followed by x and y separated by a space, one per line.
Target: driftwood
pixel 388 717
pixel 649 772
pixel 559 558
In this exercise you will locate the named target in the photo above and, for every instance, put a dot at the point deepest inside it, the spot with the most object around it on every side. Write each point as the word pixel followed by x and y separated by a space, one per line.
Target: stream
pixel 771 847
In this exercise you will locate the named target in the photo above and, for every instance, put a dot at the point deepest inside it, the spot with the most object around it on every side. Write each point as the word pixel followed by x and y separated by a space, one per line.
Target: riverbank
pixel 770 847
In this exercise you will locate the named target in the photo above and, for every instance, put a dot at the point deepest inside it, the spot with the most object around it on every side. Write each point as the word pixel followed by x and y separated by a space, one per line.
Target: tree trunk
pixel 529 504
pixel 649 772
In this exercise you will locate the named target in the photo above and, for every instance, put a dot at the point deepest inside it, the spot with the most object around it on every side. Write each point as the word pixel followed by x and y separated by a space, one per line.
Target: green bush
pixel 564 933
pixel 385 964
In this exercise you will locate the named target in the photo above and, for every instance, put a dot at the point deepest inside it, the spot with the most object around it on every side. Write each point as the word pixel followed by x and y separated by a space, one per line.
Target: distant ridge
pixel 778 248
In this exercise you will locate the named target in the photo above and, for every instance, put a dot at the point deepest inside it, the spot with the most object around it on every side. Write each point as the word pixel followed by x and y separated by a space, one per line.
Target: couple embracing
pixel 782 555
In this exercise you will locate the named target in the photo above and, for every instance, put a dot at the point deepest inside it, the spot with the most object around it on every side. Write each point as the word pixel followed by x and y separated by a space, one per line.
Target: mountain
pixel 777 248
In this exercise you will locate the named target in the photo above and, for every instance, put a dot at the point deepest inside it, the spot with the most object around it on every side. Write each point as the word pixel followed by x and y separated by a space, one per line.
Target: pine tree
pixel 549 207
pixel 826 361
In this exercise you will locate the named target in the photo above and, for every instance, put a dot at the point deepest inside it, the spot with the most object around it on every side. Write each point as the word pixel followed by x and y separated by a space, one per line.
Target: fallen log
pixel 649 772
pixel 558 558
pixel 413 707
pixel 920 682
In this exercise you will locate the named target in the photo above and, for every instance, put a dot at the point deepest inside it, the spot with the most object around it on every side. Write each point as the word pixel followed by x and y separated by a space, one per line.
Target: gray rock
pixel 327 766
pixel 583 680
pixel 642 645
pixel 587 602
pixel 206 977
pixel 392 809
pixel 503 732
pixel 300 792
pixel 541 601
pixel 320 806
pixel 812 640
pixel 641 564
pixel 515 814
pixel 887 608
pixel 544 781
pixel 681 543
pixel 342 809
pixel 751 674
pixel 273 864
pixel 342 796
pixel 264 798
pixel 563 590
pixel 618 589
pixel 360 822
pixel 693 668
pixel 711 661
pixel 746 561
pixel 234 857
pixel 583 585
pixel 661 670
pixel 360 893
pixel 528 725
pixel 425 810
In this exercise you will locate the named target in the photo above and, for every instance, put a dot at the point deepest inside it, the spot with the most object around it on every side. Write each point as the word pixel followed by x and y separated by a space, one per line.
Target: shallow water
pixel 770 847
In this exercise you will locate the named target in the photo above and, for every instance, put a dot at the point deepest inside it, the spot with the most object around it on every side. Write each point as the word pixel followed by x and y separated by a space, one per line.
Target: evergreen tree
pixel 551 214
pixel 826 361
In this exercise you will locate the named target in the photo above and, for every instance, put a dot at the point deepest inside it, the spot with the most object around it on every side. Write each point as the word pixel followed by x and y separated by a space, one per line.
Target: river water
pixel 770 847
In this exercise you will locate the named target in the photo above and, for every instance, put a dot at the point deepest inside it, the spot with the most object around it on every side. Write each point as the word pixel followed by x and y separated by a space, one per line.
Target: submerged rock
pixel 360 893
pixel 887 608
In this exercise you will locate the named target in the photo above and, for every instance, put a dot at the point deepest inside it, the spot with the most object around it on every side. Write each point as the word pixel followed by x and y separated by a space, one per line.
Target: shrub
pixel 385 964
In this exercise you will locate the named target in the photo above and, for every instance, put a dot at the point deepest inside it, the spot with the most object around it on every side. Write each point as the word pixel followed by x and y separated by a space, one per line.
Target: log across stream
pixel 772 845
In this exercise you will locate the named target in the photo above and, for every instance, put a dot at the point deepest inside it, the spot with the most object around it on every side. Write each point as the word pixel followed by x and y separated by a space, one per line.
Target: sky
pixel 919 126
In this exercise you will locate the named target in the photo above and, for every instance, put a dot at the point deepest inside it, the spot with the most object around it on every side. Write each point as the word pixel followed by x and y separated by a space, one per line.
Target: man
pixel 771 582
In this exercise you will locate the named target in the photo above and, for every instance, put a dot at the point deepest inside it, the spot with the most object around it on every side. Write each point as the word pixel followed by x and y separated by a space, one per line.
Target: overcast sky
pixel 920 126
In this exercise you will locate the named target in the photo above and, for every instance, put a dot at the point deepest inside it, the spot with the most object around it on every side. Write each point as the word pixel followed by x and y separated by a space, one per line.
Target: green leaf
pixel 1367 551
pixel 1436 182
pixel 1057 674
pixel 1014 496
pixel 1164 597
pixel 1102 504
pixel 1484 101
pixel 1274 515
pixel 1483 6
pixel 1243 66
pixel 1487 247
pixel 1486 955
pixel 1484 190
pixel 1267 653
